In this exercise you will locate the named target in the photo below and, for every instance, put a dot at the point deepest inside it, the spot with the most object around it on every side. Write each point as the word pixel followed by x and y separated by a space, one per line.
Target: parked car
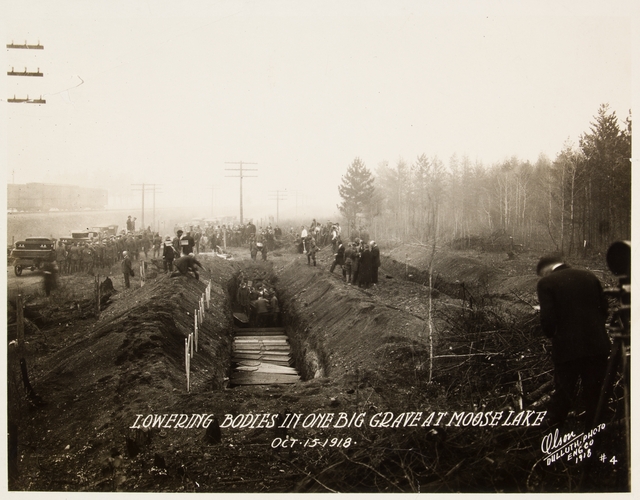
pixel 32 252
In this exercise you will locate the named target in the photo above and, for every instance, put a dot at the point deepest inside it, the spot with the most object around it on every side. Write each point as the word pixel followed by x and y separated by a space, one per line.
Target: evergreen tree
pixel 356 191
pixel 605 175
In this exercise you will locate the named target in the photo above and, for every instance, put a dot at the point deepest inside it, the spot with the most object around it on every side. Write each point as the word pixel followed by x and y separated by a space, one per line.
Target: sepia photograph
pixel 318 247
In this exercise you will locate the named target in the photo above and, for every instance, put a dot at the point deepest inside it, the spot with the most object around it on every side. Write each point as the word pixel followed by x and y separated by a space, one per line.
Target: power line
pixel 241 176
pixel 278 193
pixel 143 189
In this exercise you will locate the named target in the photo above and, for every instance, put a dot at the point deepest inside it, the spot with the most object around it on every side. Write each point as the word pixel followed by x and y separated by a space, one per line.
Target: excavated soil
pixel 469 343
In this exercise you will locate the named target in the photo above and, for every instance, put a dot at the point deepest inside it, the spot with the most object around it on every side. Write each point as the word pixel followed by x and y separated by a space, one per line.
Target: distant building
pixel 40 197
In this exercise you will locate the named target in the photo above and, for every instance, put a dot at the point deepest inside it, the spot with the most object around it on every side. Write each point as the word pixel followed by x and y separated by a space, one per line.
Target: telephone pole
pixel 241 176
pixel 278 195
pixel 143 188
pixel 36 73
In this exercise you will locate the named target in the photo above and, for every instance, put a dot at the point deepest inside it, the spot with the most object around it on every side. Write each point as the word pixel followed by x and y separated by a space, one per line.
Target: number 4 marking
pixel 613 460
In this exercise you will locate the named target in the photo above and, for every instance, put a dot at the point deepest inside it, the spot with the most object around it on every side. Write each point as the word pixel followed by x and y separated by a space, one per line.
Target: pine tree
pixel 356 191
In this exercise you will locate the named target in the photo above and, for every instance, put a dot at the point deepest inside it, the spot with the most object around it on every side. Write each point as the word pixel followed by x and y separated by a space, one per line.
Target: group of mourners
pixel 358 259
pixel 359 262
pixel 258 301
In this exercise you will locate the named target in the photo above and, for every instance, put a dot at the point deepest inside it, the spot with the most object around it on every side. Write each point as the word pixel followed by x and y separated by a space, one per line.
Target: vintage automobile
pixel 106 231
pixel 79 236
pixel 32 252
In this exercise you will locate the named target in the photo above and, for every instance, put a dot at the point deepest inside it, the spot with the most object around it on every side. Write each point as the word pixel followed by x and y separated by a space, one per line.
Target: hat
pixel 125 253
pixel 168 237
pixel 547 260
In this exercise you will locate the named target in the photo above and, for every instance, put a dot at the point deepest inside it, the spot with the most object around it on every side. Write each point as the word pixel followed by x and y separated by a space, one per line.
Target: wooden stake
pixel 20 322
pixel 186 361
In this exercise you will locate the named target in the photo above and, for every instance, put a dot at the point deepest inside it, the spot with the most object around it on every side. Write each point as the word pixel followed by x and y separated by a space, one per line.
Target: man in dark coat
pixel 261 307
pixel 573 312
pixel 187 243
pixel 187 264
pixel 127 270
pixel 375 254
pixel 338 257
pixel 312 249
pixel 366 264
pixel 168 254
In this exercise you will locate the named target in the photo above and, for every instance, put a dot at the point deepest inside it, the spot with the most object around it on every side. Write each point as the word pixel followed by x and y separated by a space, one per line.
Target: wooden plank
pixel 262 378
pixel 259 355
pixel 257 334
pixel 260 347
pixel 278 362
pixel 261 352
pixel 257 331
pixel 259 367
pixel 262 340
pixel 258 338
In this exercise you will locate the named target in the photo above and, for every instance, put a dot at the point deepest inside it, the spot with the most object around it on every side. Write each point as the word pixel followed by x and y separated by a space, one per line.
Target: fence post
pixel 20 322
pixel 186 361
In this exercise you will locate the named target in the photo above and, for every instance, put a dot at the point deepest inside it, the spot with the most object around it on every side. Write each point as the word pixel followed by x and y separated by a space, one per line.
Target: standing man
pixel 187 243
pixel 176 242
pixel 61 257
pixel 261 307
pixel 338 258
pixel 303 237
pixel 312 249
pixel 168 254
pixel 366 264
pixel 127 270
pixel 375 254
pixel 573 312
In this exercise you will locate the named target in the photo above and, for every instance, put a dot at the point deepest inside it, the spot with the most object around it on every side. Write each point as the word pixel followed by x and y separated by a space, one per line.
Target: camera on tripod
pixel 619 262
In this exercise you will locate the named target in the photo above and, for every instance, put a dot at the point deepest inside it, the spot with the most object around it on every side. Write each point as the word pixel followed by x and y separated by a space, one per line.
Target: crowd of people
pixel 358 260
pixel 258 301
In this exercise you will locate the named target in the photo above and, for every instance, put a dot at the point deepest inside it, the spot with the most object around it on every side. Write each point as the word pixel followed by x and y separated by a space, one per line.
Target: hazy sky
pixel 167 92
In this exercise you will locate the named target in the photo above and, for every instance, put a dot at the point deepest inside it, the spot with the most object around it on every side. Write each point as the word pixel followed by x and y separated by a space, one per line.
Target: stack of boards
pixel 262 356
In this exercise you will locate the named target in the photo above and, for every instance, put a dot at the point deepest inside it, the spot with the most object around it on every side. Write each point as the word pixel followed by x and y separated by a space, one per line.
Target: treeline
pixel 578 202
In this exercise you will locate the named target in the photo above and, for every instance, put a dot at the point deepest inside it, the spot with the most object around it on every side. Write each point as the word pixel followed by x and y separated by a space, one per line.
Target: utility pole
pixel 143 188
pixel 36 73
pixel 276 195
pixel 241 176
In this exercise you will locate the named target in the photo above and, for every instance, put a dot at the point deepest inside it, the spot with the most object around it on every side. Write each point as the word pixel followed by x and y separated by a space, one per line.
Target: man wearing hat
pixel 168 254
pixel 573 312
pixel 127 270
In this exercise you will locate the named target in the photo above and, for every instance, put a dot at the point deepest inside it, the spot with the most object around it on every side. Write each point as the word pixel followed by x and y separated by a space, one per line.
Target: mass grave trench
pixel 265 350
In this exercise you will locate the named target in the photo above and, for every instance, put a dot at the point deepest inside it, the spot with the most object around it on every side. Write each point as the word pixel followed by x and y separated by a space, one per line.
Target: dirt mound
pixel 392 349
pixel 131 361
